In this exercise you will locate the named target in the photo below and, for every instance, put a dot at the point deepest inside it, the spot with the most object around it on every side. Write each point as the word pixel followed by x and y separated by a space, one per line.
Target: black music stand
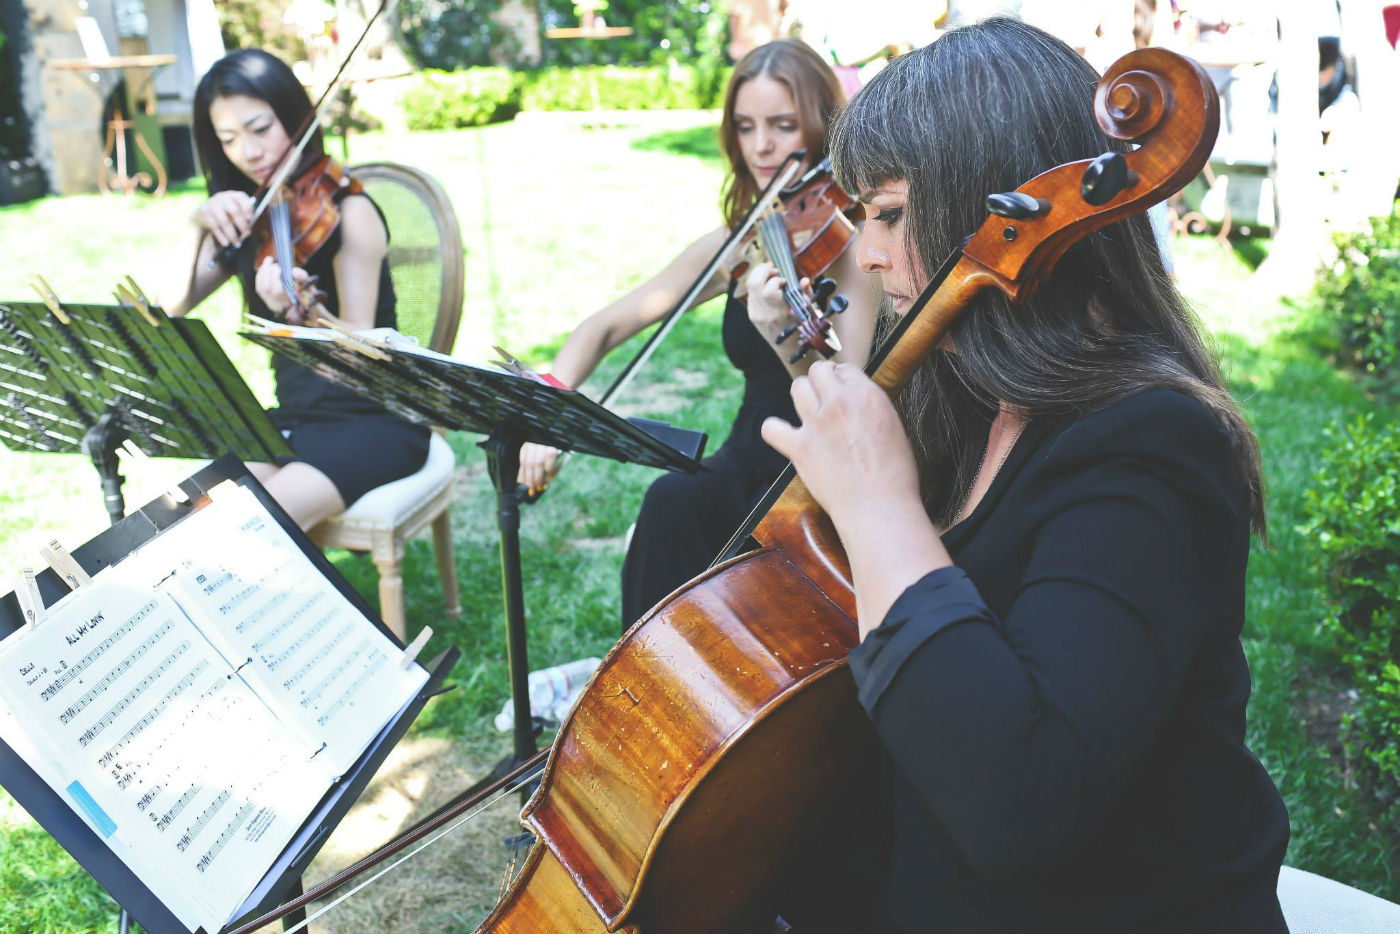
pixel 59 819
pixel 510 409
pixel 89 377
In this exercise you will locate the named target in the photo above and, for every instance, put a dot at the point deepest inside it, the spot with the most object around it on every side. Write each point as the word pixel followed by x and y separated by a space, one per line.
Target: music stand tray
pixel 53 812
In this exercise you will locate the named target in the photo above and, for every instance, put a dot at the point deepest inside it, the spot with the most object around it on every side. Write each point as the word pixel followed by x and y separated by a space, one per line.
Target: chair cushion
pixel 389 505
pixel 1314 904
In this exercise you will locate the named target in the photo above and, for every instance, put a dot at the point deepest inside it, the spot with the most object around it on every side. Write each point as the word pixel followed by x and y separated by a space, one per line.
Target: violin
pixel 311 202
pixel 300 218
pixel 802 240
pixel 809 234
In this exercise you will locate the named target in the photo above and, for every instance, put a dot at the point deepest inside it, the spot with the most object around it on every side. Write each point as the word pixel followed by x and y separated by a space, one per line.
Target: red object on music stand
pixel 1391 15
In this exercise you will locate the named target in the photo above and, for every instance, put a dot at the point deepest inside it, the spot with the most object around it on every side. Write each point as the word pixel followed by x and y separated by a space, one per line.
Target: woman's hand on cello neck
pixel 854 457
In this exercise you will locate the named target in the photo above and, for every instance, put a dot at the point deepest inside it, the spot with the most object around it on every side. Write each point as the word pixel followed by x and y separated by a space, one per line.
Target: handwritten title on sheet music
pixel 84 629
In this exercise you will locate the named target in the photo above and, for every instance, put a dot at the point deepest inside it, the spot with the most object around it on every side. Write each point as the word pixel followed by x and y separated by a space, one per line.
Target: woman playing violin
pixel 246 109
pixel 1048 531
pixel 780 99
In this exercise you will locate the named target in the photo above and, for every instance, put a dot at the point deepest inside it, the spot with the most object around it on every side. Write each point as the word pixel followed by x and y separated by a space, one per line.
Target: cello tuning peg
pixel 838 304
pixel 1016 205
pixel 822 287
pixel 785 334
pixel 1105 177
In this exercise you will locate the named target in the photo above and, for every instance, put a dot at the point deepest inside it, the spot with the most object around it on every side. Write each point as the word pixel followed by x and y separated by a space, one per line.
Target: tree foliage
pixel 450 34
pixel 257 24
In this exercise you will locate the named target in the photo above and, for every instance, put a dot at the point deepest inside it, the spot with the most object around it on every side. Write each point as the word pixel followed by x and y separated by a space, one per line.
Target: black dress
pixel 353 440
pixel 687 518
pixel 1064 709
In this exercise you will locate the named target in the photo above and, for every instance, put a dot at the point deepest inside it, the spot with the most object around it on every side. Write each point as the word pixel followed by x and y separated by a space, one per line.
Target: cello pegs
pixel 1105 177
pixel 838 304
pixel 1017 205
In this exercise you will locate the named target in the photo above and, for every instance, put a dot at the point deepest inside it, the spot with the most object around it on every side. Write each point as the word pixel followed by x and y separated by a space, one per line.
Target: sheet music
pixel 145 729
pixel 321 664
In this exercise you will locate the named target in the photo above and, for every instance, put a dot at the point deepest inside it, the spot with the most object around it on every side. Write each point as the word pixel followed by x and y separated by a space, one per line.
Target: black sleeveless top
pixel 767 383
pixel 302 394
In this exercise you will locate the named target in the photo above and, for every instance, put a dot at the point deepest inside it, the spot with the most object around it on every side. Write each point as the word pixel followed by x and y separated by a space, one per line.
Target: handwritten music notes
pixel 195 702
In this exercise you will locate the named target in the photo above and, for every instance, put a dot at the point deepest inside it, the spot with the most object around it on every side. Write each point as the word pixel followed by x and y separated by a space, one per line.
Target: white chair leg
pixel 391 596
pixel 447 564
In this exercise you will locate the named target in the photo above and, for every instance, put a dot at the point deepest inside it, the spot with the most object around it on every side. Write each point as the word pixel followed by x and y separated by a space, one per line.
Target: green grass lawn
pixel 559 217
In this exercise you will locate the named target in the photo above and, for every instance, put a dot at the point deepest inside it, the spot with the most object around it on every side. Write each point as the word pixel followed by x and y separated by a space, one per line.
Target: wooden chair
pixel 426 264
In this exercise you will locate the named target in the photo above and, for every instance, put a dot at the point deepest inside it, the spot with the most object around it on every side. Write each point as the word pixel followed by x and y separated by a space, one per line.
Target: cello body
pixel 713 724
pixel 719 758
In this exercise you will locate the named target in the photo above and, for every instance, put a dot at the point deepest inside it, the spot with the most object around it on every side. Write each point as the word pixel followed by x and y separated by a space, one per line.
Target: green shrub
pixel 611 87
pixel 443 100
pixel 1353 511
pixel 1360 292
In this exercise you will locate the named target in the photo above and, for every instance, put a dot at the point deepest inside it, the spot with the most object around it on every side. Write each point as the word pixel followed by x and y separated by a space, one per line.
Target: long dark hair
pixel 815 91
pixel 982 110
pixel 252 73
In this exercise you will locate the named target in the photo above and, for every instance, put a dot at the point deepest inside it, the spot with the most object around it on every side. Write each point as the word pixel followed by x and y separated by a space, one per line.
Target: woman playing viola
pixel 780 99
pixel 1048 531
pixel 245 110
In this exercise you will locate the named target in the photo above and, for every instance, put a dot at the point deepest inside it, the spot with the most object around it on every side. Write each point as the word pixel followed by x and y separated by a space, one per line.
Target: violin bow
pixel 263 196
pixel 461 810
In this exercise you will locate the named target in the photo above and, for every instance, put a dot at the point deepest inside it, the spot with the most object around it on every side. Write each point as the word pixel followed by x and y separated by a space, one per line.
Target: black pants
pixel 687 518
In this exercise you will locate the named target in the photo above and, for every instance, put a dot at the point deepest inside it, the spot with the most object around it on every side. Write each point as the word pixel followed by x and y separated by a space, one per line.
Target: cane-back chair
pixel 427 266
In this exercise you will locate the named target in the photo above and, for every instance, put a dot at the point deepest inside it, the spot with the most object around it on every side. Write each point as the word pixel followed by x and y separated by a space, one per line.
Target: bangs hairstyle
pixel 250 73
pixel 815 92
pixel 984 109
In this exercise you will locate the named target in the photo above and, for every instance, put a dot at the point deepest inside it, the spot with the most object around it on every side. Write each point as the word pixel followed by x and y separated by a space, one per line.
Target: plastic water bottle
pixel 552 692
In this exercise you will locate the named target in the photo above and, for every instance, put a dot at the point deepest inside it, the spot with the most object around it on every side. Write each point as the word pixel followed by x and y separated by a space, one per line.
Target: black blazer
pixel 1064 709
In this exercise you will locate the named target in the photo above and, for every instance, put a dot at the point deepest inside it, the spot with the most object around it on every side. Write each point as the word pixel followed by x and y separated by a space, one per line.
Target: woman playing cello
pixel 779 100
pixel 1047 531
pixel 246 109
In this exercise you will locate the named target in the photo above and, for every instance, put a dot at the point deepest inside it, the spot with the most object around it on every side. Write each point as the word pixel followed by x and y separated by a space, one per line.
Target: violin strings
pixel 409 854
pixel 281 219
pixel 774 235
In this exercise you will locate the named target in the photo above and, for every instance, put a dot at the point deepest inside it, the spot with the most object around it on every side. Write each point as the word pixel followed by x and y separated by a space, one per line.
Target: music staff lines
pixel 193 830
pixel 313 662
pixel 261 612
pixel 213 852
pixel 63 680
pixel 371 662
pixel 169 817
pixel 313 631
pixel 150 716
pixel 121 668
pixel 272 635
pixel 92 732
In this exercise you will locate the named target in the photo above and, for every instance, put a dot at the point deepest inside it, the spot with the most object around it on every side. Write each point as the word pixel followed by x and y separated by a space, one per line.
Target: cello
pixel 714 719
